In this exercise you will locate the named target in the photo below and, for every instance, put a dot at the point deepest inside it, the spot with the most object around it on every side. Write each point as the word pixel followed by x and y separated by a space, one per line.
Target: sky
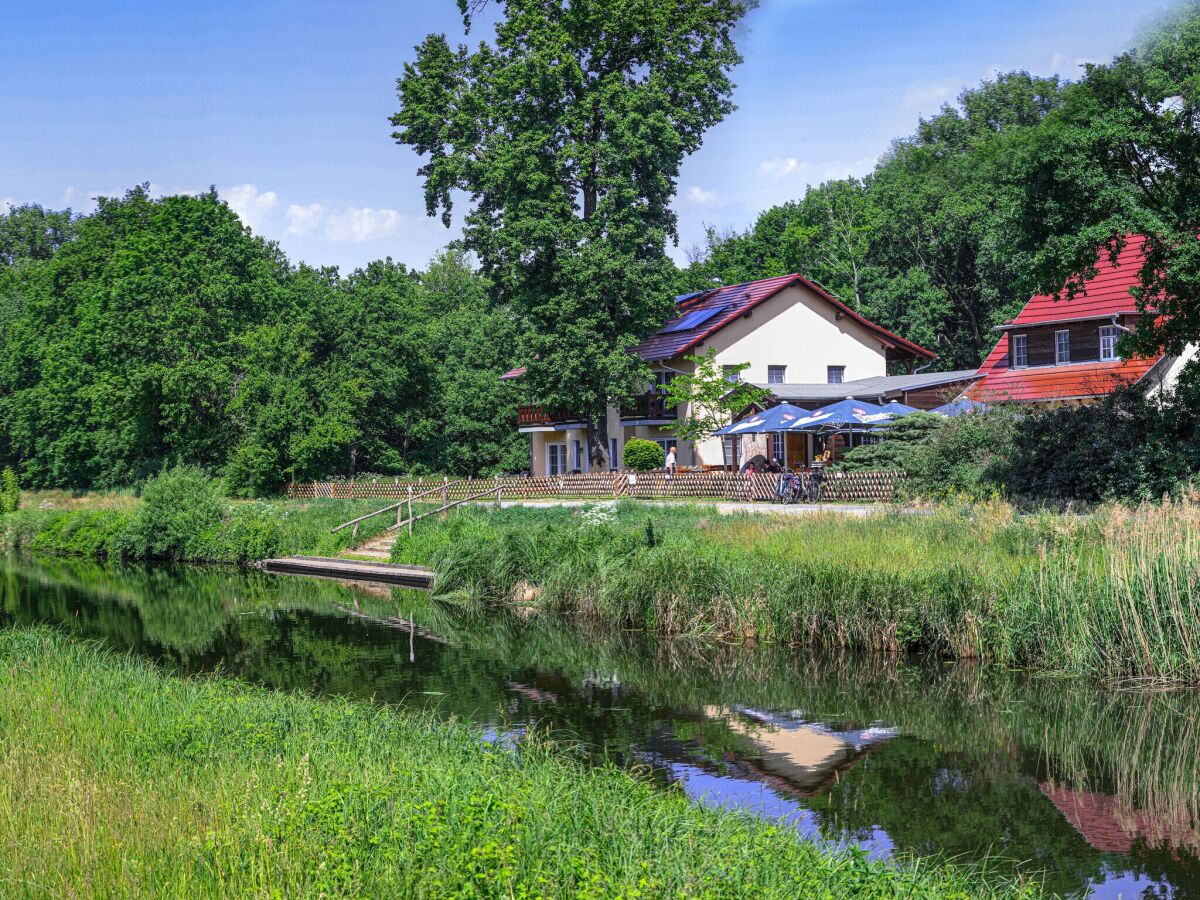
pixel 283 105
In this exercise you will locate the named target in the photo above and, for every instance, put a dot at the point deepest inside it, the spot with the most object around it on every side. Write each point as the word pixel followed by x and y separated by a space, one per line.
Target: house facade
pixel 1065 350
pixel 789 330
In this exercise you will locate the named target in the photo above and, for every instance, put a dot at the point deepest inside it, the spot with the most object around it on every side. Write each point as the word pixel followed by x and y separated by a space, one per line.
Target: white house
pixel 789 329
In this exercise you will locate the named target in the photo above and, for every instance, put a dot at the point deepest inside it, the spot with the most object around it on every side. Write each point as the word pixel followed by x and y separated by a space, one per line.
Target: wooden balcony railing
pixel 648 406
pixel 528 414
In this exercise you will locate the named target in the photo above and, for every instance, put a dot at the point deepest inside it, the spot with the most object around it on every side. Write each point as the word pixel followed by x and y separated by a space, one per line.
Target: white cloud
pixel 779 166
pixel 253 208
pixel 304 220
pixel 701 197
pixel 7 203
pixel 927 98
pixel 1068 66
pixel 356 225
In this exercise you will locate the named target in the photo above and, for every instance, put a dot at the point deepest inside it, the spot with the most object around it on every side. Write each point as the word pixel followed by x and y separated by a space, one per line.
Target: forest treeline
pixel 159 331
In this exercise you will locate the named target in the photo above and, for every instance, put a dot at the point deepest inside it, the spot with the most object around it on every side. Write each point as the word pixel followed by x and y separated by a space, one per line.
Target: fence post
pixel 497 492
pixel 410 510
pixel 445 495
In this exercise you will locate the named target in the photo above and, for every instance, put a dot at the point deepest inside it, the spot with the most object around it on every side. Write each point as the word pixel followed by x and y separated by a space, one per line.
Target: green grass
pixel 1111 595
pixel 117 780
pixel 247 531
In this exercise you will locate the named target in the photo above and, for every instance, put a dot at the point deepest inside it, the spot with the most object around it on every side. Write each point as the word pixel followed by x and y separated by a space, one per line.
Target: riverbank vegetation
pixel 150 784
pixel 185 515
pixel 1110 595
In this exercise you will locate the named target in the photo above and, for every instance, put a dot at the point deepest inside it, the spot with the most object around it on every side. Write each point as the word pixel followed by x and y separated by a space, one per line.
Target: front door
pixel 556 459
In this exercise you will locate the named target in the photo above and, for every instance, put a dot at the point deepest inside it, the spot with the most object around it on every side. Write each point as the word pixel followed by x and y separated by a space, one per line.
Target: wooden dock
pixel 353 570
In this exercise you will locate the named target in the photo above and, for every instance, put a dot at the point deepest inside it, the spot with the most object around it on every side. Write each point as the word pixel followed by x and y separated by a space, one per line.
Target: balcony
pixel 648 406
pixel 531 416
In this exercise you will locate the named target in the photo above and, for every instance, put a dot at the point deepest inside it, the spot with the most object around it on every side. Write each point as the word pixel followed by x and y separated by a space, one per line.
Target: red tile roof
pixel 1113 826
pixel 1105 295
pixel 739 299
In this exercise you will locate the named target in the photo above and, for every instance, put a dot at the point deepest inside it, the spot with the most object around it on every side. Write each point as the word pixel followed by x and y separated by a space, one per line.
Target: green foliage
pixel 10 491
pixel 966 457
pixel 922 245
pixel 571 198
pixel 1118 158
pixel 156 332
pixel 898 442
pixel 711 398
pixel 1123 448
pixel 179 508
pixel 642 455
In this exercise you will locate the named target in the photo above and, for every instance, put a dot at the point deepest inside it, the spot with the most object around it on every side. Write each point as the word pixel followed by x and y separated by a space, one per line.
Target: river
pixel 1098 788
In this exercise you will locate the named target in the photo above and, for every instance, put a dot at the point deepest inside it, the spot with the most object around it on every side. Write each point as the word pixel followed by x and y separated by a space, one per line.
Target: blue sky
pixel 283 105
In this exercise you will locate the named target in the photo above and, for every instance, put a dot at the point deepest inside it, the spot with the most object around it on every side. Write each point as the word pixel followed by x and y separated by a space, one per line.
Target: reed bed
pixel 1112 595
pixel 118 780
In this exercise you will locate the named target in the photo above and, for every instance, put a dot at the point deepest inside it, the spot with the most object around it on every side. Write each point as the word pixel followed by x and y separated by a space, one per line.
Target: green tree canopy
pixel 567 132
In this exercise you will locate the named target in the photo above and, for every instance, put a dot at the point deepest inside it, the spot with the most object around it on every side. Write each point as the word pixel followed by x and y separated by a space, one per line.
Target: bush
pixel 966 456
pixel 898 442
pixel 1125 447
pixel 642 455
pixel 10 492
pixel 180 508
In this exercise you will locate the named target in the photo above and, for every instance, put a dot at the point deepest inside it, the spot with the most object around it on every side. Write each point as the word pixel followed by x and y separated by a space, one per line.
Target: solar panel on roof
pixel 694 319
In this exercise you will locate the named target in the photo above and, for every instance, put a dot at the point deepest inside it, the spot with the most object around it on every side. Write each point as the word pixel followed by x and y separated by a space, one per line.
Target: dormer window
pixel 1108 342
pixel 1062 347
pixel 1020 351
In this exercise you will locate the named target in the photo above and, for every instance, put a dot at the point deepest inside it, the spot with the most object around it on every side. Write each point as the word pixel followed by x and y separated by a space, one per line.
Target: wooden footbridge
pixel 368 561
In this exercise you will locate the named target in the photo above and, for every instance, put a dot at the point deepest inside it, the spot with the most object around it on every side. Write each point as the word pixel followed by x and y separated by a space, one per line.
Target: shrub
pixel 1125 447
pixel 179 509
pixel 966 456
pixel 642 455
pixel 10 492
pixel 898 443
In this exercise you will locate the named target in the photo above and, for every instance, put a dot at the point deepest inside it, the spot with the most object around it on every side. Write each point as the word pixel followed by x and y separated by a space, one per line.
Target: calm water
pixel 1098 788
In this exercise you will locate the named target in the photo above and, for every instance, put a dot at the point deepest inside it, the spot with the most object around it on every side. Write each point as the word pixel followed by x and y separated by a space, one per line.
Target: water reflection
pixel 1098 788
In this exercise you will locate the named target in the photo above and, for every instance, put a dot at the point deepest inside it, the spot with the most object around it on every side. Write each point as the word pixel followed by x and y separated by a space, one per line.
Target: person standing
pixel 671 465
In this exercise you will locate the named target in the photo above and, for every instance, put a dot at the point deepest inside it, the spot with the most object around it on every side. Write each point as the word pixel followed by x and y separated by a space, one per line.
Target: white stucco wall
pixel 1166 382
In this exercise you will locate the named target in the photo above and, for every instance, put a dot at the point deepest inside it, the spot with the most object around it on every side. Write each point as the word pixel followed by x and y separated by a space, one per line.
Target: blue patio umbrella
pixel 960 406
pixel 896 408
pixel 845 414
pixel 777 418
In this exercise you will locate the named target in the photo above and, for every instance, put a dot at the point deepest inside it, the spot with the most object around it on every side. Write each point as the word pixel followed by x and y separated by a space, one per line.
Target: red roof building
pixel 1065 349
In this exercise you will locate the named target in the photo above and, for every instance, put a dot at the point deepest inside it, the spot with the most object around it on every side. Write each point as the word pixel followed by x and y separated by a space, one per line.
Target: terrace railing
pixel 839 487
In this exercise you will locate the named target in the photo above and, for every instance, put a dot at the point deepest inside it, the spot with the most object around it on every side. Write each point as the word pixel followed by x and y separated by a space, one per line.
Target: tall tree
pixel 567 133
pixel 1122 157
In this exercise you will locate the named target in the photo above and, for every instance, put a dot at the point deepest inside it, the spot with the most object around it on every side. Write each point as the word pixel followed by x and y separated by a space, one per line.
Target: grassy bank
pixel 117 779
pixel 1111 595
pixel 182 515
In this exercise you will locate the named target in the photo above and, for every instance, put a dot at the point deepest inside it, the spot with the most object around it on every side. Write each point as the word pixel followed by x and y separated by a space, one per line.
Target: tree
pixel 1122 157
pixel 642 455
pixel 711 396
pixel 898 442
pixel 567 132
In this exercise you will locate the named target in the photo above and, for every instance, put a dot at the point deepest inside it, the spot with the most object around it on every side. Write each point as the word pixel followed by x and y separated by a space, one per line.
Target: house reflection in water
pixel 792 755
pixel 1112 825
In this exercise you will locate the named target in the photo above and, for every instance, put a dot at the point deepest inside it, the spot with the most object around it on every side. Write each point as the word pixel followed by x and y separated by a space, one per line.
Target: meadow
pixel 148 784
pixel 1110 595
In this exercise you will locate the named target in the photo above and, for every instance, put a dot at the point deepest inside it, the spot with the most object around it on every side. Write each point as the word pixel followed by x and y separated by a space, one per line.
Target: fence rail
pixel 838 487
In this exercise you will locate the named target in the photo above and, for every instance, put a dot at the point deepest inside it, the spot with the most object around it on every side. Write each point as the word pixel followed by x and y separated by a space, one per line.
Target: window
pixel 732 374
pixel 579 463
pixel 1020 351
pixel 778 447
pixel 1062 347
pixel 613 462
pixel 775 374
pixel 835 374
pixel 556 459
pixel 662 380
pixel 1108 342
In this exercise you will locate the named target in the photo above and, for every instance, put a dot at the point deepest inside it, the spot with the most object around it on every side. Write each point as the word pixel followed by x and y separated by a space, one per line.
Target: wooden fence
pixel 839 487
